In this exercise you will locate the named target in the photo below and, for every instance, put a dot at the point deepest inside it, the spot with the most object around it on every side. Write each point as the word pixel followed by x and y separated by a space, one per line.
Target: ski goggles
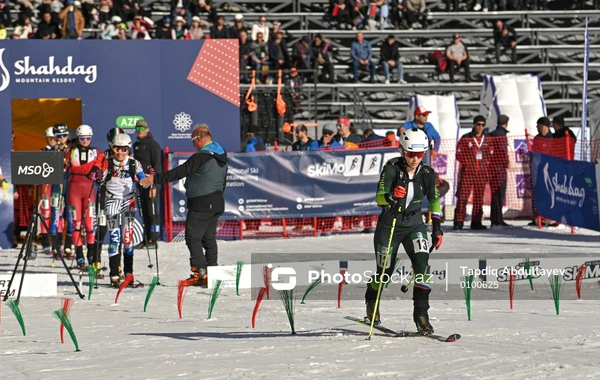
pixel 87 138
pixel 120 149
pixel 140 128
pixel 61 135
pixel 414 154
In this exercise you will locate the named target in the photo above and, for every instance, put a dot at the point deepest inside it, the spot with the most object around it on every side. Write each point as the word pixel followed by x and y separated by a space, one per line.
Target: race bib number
pixel 45 203
pixel 112 223
pixel 54 201
pixel 101 218
pixel 381 258
pixel 479 156
pixel 420 244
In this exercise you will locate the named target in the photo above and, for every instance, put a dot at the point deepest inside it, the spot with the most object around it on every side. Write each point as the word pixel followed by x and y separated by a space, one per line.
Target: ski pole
pixel 83 216
pixel 153 213
pixel 385 260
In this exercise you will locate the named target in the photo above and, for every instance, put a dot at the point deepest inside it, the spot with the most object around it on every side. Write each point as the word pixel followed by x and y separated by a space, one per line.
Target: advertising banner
pixel 296 184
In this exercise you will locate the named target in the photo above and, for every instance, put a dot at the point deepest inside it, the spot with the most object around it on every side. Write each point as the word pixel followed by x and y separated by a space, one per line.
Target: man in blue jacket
pixel 362 55
pixel 254 143
pixel 420 121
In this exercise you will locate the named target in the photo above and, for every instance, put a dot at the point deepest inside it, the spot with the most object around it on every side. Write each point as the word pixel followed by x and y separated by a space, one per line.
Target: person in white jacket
pixel 112 30
pixel 261 27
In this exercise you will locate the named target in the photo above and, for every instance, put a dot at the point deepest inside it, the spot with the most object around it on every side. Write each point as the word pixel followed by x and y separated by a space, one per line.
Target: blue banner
pixel 566 191
pixel 296 184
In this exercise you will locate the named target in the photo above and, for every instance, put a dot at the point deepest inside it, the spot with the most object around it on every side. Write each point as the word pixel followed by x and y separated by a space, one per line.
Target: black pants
pixel 498 185
pixel 453 67
pixel 452 2
pixel 411 233
pixel 499 48
pixel 327 71
pixel 201 238
pixel 151 215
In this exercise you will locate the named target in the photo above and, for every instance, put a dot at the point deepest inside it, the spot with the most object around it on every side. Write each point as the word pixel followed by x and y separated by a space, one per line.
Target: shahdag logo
pixel 182 122
pixel 565 188
pixel 45 170
pixel 4 74
pixel 27 72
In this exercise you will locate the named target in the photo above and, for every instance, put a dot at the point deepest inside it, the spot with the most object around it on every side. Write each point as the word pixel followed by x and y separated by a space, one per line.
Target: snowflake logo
pixel 182 122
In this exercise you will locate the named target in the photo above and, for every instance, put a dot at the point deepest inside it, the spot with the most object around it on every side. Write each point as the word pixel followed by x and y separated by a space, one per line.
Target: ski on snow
pixel 403 333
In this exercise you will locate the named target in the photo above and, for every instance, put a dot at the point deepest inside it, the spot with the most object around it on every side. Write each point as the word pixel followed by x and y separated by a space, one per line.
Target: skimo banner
pixel 296 184
pixel 566 191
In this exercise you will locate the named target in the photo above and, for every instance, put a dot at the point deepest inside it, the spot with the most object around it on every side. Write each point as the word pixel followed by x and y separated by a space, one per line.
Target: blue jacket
pixel 429 130
pixel 318 144
pixel 361 51
pixel 256 144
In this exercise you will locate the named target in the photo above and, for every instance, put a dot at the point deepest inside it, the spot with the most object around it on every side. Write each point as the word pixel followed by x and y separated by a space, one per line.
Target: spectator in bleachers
pixel 112 30
pixel 181 30
pixel 72 21
pixel 321 51
pixel 238 26
pixel 498 167
pixel 420 121
pixel 197 30
pixel 481 5
pixel 140 26
pixel 362 55
pixel 219 30
pixel 415 12
pixel 505 37
pixel 47 29
pixel 391 136
pixel 26 8
pixel 278 53
pixel 397 18
pixel 24 28
pixel 473 152
pixel 390 59
pixel 254 143
pixel 181 8
pixel 539 4
pixel 542 141
pixel 341 11
pixel 369 135
pixel 565 147
pixel 129 9
pixel 88 8
pixel 301 54
pixel 378 12
pixel 246 49
pixel 294 83
pixel 56 6
pixel 262 28
pixel 165 30
pixel 277 28
pixel 303 142
pixel 452 3
pixel 198 7
pixel 5 12
pixel 344 136
pixel 123 32
pixel 260 56
pixel 327 141
pixel 105 10
pixel 457 55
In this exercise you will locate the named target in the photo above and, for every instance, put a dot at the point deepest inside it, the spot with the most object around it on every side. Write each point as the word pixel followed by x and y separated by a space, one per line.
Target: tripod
pixel 31 254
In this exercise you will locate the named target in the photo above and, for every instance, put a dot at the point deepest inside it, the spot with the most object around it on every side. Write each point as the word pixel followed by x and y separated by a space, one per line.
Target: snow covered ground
pixel 121 341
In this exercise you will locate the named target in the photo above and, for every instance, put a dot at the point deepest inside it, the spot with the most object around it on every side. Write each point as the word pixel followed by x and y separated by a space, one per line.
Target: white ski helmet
pixel 84 130
pixel 122 139
pixel 414 140
pixel 49 132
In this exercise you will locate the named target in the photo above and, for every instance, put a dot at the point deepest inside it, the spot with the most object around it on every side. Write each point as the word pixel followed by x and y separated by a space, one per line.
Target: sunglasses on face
pixel 480 124
pixel 414 154
pixel 140 128
pixel 88 138
pixel 62 135
pixel 120 149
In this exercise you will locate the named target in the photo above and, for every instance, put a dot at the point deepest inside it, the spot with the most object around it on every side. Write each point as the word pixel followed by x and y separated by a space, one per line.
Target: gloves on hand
pixel 437 235
pixel 151 170
pixel 399 192
pixel 95 174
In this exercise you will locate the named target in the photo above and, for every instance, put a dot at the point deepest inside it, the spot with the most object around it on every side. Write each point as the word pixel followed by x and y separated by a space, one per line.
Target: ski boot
pixel 115 281
pixel 198 278
pixel 80 260
pixel 423 325
pixel 69 250
pixel 372 314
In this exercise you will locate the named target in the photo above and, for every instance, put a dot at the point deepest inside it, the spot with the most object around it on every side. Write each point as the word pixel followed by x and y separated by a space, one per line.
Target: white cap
pixel 239 16
pixel 49 132
pixel 196 18
pixel 179 18
pixel 116 19
pixel 77 3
